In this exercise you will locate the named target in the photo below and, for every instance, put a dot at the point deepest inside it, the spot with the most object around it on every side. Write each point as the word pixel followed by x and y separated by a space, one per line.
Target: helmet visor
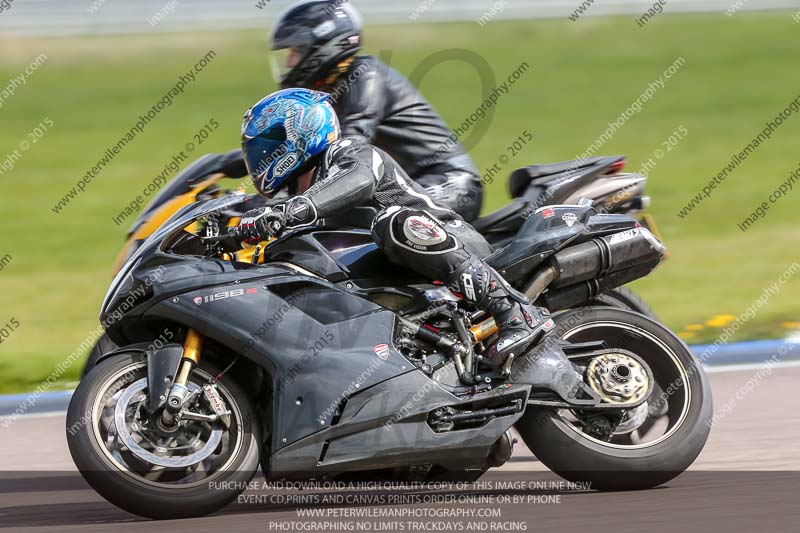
pixel 283 61
pixel 260 154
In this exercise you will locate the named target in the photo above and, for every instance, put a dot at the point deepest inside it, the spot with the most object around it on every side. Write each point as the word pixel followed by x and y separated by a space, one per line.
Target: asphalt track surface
pixel 746 479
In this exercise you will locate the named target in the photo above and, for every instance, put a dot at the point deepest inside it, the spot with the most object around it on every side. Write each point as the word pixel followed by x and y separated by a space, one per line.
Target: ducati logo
pixel 382 351
pixel 198 300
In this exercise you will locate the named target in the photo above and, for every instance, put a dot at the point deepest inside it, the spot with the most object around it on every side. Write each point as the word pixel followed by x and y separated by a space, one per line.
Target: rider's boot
pixel 519 322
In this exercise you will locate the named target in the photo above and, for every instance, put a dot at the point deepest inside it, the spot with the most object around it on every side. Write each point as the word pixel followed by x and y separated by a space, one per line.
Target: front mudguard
pixel 103 346
pixel 162 368
pixel 546 367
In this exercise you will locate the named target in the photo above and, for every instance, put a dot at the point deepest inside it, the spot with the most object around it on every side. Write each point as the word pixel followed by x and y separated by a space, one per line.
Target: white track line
pixel 48 414
pixel 718 369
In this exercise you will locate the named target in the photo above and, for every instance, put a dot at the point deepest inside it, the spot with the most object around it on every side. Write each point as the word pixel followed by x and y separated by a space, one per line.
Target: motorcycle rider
pixel 314 45
pixel 291 142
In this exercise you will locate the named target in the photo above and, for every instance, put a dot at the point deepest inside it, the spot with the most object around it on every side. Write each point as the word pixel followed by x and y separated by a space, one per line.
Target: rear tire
pixel 579 457
pixel 131 490
pixel 625 298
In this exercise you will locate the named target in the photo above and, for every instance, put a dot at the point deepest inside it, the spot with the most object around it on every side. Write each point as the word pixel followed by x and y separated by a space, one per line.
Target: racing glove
pixel 258 224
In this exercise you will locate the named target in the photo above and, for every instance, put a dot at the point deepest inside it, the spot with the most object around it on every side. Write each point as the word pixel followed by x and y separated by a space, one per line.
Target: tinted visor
pixel 261 152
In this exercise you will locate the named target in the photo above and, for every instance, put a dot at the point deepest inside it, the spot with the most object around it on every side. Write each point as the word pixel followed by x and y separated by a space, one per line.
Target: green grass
pixel 740 71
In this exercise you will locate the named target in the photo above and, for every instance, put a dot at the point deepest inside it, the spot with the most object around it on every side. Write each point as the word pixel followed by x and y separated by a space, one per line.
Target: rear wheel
pixel 632 448
pixel 150 470
pixel 625 298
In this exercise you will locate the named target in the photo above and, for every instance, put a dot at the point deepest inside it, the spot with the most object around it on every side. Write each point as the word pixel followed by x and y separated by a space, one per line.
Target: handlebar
pixel 230 241
pixel 233 233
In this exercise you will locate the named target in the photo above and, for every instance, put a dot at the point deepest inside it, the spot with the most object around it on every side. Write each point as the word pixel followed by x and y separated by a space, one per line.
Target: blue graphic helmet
pixel 283 133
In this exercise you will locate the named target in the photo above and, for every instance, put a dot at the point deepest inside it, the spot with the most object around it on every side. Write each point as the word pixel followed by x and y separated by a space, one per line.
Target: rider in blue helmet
pixel 291 143
pixel 284 133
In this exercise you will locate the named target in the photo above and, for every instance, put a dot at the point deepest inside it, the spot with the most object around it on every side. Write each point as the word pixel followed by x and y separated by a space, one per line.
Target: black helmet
pixel 310 38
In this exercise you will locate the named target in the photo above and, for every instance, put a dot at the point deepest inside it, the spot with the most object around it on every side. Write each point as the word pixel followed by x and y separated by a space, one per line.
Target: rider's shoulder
pixel 347 147
pixel 366 62
pixel 370 67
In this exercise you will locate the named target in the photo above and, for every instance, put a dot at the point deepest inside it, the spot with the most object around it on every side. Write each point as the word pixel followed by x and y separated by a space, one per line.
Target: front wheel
pixel 103 345
pixel 634 448
pixel 136 463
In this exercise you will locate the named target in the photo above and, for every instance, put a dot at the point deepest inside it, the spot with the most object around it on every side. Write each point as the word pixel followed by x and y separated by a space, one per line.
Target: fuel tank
pixel 338 255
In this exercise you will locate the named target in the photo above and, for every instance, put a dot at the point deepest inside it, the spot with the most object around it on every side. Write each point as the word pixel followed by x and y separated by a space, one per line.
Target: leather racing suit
pixel 412 230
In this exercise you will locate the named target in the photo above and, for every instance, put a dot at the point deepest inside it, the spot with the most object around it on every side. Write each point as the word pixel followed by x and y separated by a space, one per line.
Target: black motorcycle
pixel 598 180
pixel 319 358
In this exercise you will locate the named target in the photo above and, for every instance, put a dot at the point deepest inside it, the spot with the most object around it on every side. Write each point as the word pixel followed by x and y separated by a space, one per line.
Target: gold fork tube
pixel 192 347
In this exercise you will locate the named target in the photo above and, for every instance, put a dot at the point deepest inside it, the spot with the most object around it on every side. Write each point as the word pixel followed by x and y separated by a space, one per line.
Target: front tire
pixel 126 480
pixel 628 461
pixel 103 346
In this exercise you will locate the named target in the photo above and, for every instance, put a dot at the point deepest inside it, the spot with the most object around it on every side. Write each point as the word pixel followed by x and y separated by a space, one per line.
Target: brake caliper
pixel 217 403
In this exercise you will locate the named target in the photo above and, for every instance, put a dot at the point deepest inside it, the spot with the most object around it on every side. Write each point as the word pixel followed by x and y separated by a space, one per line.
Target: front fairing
pixel 124 282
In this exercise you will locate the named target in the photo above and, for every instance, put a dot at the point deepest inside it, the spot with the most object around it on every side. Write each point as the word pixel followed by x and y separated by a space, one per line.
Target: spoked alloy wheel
pixel 627 448
pixel 147 468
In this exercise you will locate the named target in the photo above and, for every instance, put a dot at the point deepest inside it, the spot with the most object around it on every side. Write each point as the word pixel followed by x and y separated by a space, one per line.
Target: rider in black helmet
pixel 315 43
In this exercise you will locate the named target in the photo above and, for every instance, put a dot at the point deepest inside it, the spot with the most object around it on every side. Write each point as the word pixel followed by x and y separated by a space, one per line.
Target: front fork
pixel 192 347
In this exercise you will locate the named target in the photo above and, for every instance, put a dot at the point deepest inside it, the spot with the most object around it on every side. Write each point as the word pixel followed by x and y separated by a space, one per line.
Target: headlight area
pixel 127 294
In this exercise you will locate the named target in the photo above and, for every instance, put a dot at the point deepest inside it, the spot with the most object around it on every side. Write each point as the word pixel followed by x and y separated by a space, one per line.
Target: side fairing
pixel 320 343
pixel 550 229
pixel 544 232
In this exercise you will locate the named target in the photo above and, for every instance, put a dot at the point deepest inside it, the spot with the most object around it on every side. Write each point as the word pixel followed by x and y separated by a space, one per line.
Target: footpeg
pixel 546 367
pixel 519 347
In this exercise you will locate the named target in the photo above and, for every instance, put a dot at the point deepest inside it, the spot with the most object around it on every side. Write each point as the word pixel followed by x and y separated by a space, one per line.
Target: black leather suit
pixel 413 230
pixel 378 105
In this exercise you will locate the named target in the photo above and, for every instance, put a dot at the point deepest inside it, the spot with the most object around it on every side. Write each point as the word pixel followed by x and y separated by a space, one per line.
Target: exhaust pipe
pixel 600 257
pixel 597 266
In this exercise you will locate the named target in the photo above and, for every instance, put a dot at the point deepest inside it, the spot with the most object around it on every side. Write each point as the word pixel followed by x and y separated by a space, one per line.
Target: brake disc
pixel 167 461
